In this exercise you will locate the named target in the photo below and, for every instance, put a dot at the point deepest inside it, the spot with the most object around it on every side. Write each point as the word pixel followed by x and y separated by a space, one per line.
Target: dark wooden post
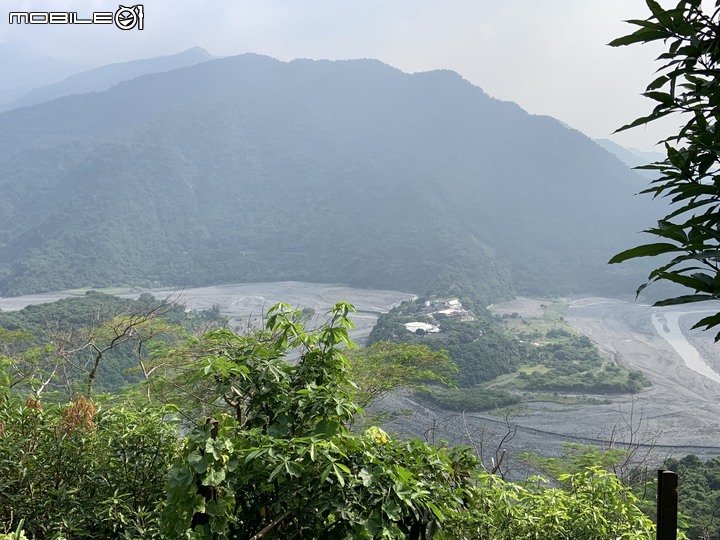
pixel 667 505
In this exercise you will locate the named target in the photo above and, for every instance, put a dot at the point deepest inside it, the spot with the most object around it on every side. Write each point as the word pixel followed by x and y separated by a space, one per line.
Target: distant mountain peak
pixel 632 157
pixel 105 77
pixel 22 70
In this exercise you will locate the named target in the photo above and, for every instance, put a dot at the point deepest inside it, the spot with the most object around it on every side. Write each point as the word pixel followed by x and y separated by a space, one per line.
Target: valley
pixel 245 303
pixel 294 283
pixel 682 406
pixel 678 414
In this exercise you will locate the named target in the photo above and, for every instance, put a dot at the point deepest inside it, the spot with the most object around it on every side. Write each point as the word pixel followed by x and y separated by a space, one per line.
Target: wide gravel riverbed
pixel 245 303
pixel 680 414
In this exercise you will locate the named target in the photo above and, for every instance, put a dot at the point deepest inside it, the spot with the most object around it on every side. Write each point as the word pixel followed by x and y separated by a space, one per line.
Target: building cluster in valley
pixel 439 309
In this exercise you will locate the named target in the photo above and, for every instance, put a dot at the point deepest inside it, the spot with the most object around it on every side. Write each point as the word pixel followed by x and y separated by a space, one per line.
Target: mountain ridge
pixel 104 77
pixel 247 168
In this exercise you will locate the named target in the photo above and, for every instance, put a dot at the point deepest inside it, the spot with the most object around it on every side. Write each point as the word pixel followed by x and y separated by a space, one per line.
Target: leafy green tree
pixel 385 366
pixel 688 85
pixel 575 458
pixel 76 472
pixel 91 342
pixel 286 465
pixel 24 363
pixel 589 505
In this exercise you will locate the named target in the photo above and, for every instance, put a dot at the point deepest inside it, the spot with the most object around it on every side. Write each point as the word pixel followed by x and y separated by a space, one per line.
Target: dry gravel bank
pixel 680 414
pixel 245 303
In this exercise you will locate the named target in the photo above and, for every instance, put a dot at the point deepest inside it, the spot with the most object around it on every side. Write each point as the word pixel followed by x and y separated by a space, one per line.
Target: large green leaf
pixel 692 282
pixel 644 120
pixel 641 36
pixel 708 322
pixel 647 250
pixel 688 299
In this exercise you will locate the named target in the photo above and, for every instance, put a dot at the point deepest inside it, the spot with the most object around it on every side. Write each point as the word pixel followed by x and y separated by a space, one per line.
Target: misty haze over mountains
pixel 23 71
pixel 105 77
pixel 247 168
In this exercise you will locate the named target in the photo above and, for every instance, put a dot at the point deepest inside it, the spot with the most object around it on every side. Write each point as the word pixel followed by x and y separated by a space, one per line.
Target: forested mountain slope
pixel 248 168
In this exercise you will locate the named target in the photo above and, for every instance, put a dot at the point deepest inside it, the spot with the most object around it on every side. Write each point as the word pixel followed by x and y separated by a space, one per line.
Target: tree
pixel 76 471
pixel 285 464
pixel 90 342
pixel 688 85
pixel 137 328
pixel 386 366
pixel 24 363
pixel 591 504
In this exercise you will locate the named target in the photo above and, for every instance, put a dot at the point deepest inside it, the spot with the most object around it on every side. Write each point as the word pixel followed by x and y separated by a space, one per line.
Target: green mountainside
pixel 248 169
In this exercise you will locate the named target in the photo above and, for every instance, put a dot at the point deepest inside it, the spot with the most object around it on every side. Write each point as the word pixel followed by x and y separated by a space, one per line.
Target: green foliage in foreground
pixel 589 505
pixel 70 471
pixel 295 470
pixel 320 485
pixel 283 464
pixel 687 85
pixel 698 494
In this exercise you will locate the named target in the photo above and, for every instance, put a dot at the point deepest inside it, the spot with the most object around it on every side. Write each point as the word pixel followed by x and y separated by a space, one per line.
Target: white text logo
pixel 125 18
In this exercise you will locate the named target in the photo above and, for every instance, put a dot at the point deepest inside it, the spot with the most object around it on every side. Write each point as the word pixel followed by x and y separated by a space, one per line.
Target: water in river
pixel 667 325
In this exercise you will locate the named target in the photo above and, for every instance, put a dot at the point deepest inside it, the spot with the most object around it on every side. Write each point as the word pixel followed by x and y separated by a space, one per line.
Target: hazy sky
pixel 549 56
